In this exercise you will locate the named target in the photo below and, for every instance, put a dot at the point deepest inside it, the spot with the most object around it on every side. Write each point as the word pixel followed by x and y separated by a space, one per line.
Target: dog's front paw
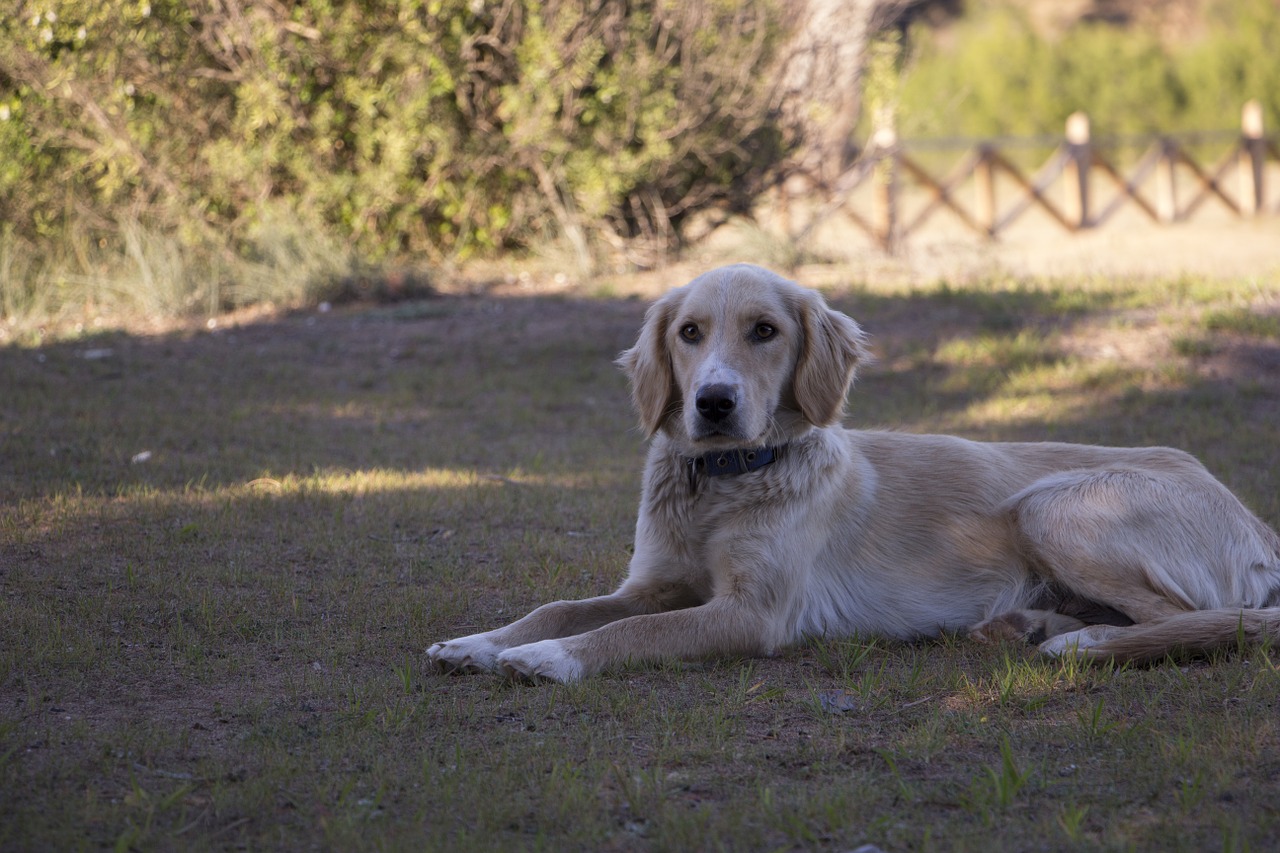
pixel 546 659
pixel 473 653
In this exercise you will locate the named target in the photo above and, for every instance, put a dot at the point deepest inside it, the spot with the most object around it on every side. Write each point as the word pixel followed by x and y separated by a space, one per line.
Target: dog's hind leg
pixel 1149 543
pixel 1197 632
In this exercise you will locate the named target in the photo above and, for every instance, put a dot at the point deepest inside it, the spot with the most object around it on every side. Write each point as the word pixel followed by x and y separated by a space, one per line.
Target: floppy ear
pixel 648 366
pixel 832 348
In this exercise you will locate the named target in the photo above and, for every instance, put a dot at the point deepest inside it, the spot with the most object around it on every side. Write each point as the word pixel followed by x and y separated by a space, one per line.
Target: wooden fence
pixel 1077 164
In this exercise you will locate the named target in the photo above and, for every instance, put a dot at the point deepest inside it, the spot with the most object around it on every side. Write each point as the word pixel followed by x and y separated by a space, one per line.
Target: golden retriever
pixel 763 521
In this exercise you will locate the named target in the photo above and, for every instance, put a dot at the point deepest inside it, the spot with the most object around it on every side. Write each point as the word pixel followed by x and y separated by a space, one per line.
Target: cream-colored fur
pixel 1103 552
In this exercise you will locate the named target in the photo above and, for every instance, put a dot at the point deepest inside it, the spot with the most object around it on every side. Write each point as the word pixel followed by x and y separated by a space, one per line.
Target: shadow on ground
pixel 496 384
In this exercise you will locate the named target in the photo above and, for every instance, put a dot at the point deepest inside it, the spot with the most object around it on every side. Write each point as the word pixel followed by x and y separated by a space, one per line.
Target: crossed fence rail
pixel 1075 160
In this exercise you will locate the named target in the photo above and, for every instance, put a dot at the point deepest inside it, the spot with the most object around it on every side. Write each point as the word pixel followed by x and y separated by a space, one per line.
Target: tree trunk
pixel 820 94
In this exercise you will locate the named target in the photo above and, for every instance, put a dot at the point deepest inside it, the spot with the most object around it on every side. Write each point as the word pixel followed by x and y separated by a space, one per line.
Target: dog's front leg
pixel 724 626
pixel 479 652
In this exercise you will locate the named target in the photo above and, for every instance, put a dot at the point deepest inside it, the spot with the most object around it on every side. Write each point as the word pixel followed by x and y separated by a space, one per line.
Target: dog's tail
pixel 1196 632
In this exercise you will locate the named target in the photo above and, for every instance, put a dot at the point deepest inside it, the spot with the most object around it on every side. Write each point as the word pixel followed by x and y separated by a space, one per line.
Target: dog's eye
pixel 763 331
pixel 690 333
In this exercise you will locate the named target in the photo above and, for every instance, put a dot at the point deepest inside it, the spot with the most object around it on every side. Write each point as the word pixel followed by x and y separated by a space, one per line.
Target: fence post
pixel 886 142
pixel 1166 182
pixel 1252 159
pixel 1077 170
pixel 984 179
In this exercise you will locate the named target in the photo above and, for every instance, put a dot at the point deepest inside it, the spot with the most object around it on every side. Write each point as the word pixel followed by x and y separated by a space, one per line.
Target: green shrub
pixel 997 75
pixel 431 128
pixel 1238 59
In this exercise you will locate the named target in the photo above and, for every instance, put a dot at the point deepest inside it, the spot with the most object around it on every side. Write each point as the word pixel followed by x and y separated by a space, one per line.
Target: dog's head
pixel 741 357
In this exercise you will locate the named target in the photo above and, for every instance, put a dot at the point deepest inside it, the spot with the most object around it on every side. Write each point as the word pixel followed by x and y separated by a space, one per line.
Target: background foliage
pixel 434 128
pixel 170 157
pixel 996 73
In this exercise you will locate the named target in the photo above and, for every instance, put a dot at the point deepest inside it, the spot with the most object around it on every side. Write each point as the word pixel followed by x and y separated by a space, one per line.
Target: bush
pixel 997 75
pixel 432 128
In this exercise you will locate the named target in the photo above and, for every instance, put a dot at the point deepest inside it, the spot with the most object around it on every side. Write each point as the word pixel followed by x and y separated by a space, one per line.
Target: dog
pixel 763 522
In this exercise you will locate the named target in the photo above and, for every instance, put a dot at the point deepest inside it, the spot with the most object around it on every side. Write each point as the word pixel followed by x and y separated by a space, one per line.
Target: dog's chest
pixel 714 505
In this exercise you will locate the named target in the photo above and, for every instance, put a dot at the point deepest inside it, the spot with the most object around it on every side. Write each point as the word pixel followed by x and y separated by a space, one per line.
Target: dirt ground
pixel 1214 247
pixel 1211 243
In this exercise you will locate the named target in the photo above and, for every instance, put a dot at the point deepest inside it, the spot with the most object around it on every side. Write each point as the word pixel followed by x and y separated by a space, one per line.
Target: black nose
pixel 716 402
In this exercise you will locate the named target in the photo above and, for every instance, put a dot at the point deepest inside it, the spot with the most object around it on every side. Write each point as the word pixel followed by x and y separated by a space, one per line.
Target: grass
pixel 132 275
pixel 223 552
